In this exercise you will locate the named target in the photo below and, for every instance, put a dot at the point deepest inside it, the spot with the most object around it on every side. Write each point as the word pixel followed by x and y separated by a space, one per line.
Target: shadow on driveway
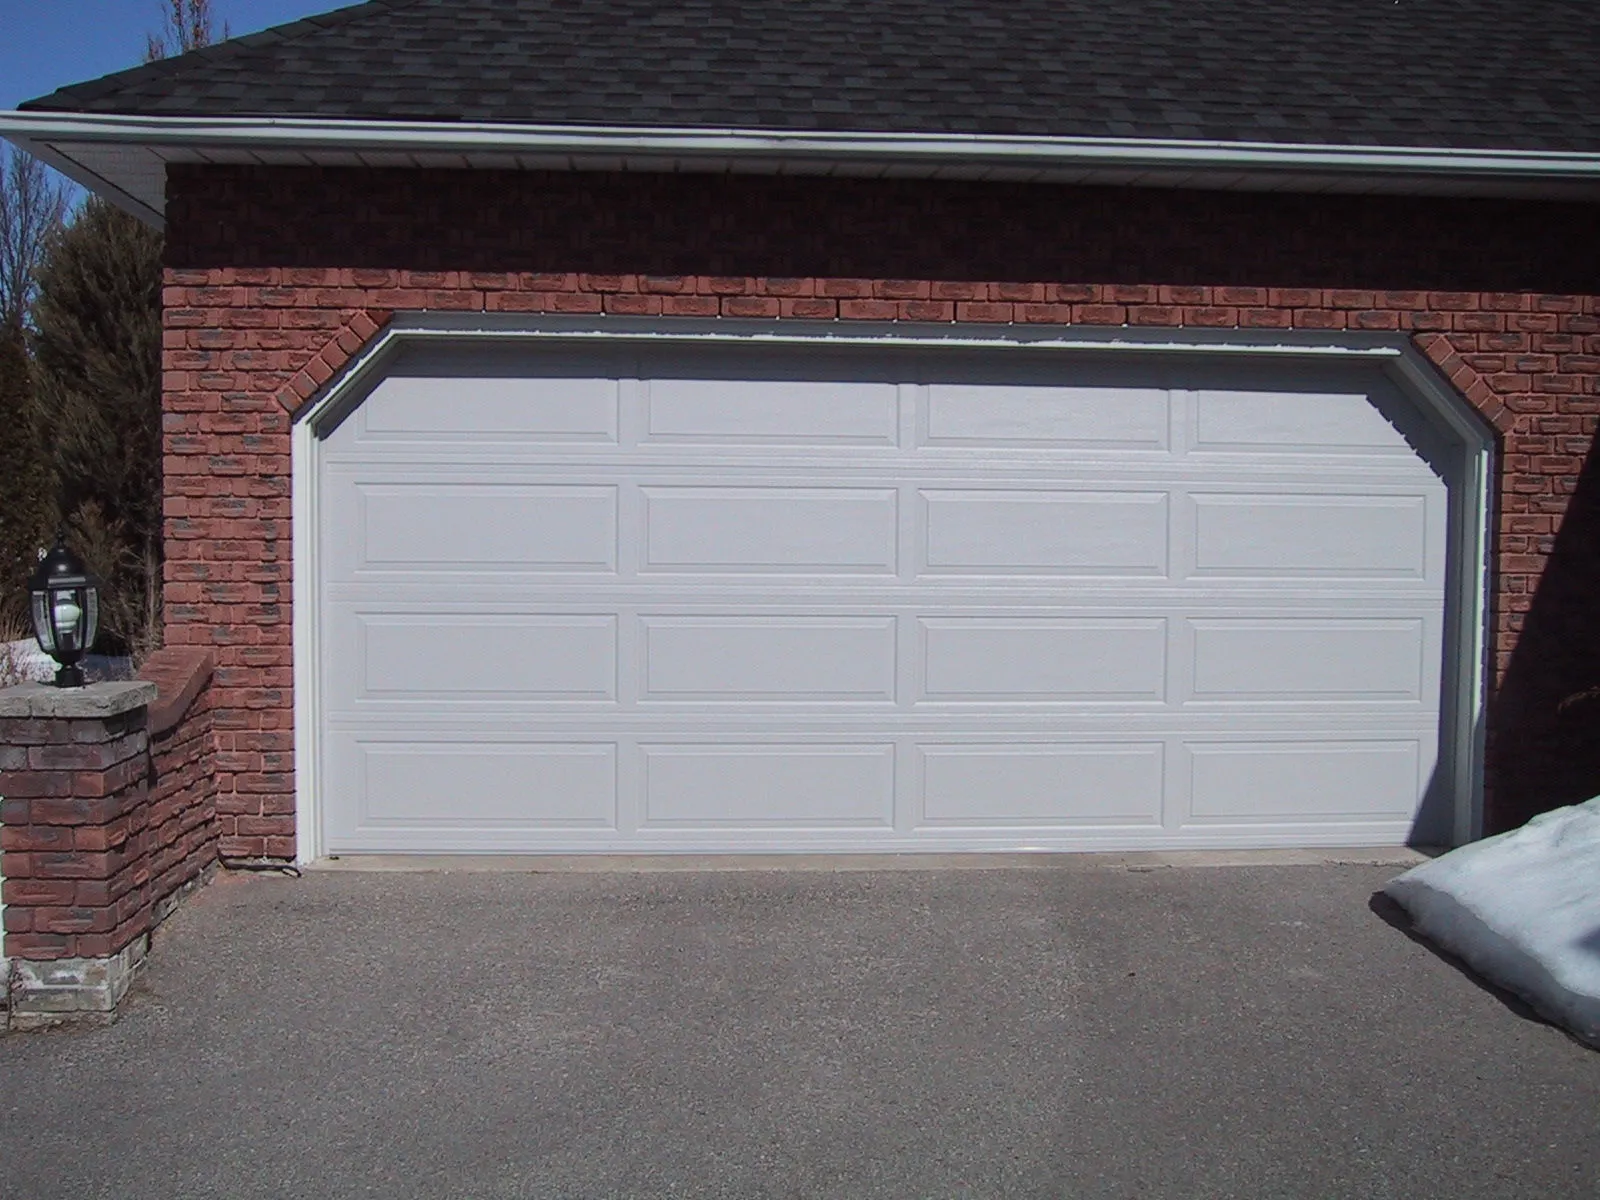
pixel 1385 908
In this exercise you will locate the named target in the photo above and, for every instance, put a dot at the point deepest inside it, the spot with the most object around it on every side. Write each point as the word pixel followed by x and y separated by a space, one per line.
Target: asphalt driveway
pixel 1062 1031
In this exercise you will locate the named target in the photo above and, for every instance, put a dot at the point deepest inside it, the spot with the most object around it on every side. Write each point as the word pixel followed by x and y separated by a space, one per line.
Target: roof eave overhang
pixel 124 157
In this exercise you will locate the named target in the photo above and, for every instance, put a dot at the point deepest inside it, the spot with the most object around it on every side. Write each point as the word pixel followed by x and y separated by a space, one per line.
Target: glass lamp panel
pixel 91 620
pixel 42 631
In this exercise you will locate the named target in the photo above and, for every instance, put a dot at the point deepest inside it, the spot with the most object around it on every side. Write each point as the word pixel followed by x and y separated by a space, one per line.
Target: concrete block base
pixel 73 989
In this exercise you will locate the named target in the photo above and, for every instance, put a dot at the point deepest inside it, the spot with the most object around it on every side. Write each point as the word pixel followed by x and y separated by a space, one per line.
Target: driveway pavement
pixel 1060 1031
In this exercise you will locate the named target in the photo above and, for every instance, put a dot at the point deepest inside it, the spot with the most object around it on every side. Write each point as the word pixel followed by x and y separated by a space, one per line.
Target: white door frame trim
pixel 1465 662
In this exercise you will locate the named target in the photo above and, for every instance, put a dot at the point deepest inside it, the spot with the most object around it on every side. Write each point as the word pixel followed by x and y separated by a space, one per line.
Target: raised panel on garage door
pixel 398 526
pixel 835 600
pixel 770 529
pixel 1332 534
pixel 791 412
pixel 1039 532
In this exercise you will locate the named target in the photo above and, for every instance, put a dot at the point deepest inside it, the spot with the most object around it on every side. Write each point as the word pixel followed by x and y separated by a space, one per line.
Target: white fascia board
pixel 173 136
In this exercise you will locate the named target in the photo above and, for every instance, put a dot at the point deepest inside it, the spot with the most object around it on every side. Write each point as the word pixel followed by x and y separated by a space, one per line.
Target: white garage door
pixel 807 600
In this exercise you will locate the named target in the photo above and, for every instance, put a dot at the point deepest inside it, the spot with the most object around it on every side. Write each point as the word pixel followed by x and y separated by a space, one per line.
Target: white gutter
pixel 286 133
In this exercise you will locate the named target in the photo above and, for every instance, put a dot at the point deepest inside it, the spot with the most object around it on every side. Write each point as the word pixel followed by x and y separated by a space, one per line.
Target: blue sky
pixel 45 44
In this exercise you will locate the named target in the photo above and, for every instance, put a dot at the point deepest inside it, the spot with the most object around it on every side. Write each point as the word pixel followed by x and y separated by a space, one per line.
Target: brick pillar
pixel 74 792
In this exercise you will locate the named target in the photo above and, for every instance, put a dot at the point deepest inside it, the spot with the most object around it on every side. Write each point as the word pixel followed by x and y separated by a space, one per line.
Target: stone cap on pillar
pixel 94 700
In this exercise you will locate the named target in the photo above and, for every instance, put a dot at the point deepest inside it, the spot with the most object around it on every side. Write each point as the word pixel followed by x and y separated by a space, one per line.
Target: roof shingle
pixel 1503 74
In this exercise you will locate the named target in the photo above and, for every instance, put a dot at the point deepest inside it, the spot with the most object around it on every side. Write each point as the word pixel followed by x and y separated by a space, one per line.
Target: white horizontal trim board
pixel 465 136
pixel 123 156
pixel 625 586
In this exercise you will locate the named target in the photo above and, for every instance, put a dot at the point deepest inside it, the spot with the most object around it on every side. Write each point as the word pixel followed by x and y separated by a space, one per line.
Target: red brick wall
pixel 276 276
pixel 181 824
pixel 70 834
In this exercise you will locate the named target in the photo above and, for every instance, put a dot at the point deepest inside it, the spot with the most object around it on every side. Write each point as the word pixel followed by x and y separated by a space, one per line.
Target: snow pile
pixel 21 662
pixel 1523 909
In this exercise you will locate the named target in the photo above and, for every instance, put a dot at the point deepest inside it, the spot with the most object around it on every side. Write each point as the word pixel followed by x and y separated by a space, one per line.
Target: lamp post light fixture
pixel 66 610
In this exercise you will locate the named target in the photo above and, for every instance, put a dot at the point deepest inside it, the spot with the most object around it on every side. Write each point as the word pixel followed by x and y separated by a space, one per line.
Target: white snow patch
pixel 22 662
pixel 1523 909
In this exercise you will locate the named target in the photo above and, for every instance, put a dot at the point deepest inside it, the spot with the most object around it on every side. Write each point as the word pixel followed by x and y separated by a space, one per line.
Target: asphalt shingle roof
pixel 1513 74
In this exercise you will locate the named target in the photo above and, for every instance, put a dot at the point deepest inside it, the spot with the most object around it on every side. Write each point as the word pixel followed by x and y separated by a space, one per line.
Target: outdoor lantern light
pixel 66 610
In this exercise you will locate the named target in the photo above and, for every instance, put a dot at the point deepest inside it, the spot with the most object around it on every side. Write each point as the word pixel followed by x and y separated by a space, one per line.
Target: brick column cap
pixel 179 672
pixel 92 701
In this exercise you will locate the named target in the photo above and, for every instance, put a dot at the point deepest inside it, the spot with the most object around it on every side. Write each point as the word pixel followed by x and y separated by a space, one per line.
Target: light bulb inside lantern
pixel 67 616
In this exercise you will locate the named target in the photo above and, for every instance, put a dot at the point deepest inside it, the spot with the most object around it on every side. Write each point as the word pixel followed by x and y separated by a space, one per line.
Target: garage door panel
pixel 1270 782
pixel 1021 532
pixel 771 530
pixel 1311 659
pixel 758 786
pixel 1042 785
pixel 1080 418
pixel 442 526
pixel 772 412
pixel 1308 422
pixel 480 784
pixel 755 659
pixel 992 659
pixel 432 408
pixel 421 659
pixel 1269 535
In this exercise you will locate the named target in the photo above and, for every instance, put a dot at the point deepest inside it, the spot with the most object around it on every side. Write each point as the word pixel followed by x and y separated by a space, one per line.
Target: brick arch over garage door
pixel 241 328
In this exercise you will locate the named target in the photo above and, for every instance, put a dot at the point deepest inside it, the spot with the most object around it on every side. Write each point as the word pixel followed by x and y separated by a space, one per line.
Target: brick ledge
pixel 179 672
